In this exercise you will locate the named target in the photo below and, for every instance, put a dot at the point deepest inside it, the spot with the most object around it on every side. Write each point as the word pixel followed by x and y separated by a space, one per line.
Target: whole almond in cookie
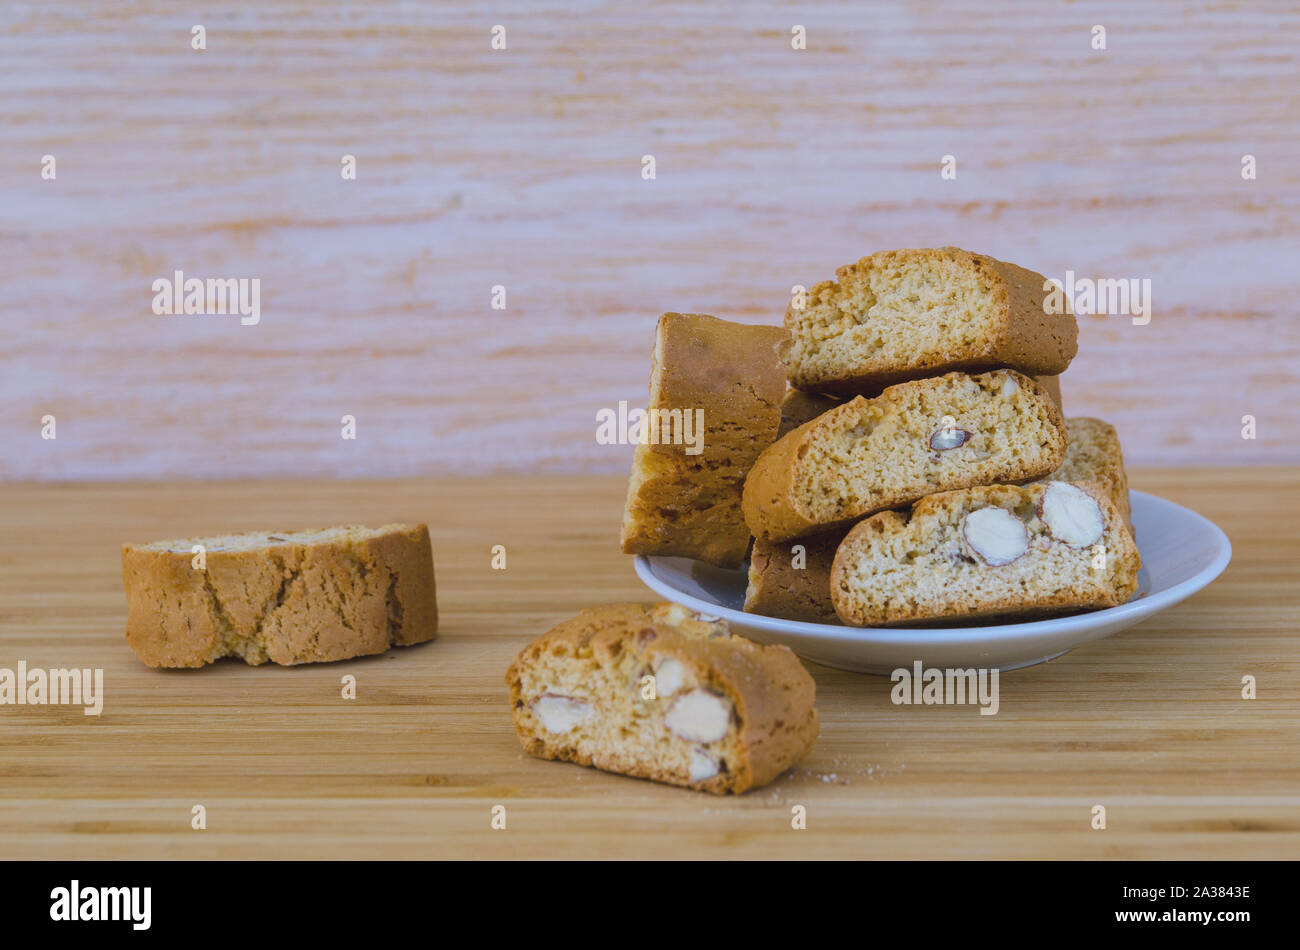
pixel 991 551
pixel 659 692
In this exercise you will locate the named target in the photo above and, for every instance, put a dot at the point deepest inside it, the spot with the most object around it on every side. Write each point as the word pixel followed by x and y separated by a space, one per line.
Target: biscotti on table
pixel 997 550
pixel 908 314
pixel 288 598
pixel 661 693
pixel 916 438
pixel 684 500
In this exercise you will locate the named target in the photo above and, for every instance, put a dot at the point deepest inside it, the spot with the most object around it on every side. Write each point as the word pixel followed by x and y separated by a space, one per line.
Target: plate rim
pixel 1127 613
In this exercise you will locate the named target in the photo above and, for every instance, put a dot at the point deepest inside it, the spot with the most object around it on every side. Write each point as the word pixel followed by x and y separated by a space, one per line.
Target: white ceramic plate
pixel 1181 553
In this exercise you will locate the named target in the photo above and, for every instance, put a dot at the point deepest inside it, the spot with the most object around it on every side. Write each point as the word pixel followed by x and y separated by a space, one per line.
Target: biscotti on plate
pixel 916 438
pixel 288 598
pixel 907 314
pixel 997 550
pixel 684 500
pixel 792 579
pixel 1095 456
pixel 661 693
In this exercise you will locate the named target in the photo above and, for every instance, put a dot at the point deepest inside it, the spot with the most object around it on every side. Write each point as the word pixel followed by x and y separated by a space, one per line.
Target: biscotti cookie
pixel 916 438
pixel 661 693
pixel 684 500
pixel 1095 456
pixel 792 579
pixel 908 314
pixel 994 550
pixel 293 597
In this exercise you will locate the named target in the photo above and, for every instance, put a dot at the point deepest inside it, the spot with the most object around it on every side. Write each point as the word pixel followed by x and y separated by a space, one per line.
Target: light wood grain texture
pixel 523 168
pixel 1149 723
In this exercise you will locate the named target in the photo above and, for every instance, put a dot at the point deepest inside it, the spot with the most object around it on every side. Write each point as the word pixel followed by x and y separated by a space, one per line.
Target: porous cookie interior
pixel 924 566
pixel 864 455
pixel 587 701
pixel 256 540
pixel 1090 452
pixel 896 310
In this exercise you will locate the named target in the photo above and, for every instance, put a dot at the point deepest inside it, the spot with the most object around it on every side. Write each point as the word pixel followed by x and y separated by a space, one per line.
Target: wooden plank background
pixel 522 168
pixel 1149 723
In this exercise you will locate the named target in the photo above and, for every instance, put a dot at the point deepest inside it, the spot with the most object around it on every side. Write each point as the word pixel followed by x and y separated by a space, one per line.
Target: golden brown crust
pixel 771 495
pixel 777 588
pixel 772 694
pixel 1028 338
pixel 1044 591
pixel 687 505
pixel 1042 342
pixel 354 595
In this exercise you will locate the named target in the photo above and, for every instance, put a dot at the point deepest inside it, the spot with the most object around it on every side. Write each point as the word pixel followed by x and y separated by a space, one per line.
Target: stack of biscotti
pixel 925 470
pixel 914 376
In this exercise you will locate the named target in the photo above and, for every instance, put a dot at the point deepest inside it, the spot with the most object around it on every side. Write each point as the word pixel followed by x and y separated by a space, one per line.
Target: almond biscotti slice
pixel 290 597
pixel 683 500
pixel 661 693
pixel 1095 455
pixel 995 550
pixel 914 439
pixel 900 315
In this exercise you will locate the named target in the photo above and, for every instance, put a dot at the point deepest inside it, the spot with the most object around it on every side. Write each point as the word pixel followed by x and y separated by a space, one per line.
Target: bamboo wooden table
pixel 1149 723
